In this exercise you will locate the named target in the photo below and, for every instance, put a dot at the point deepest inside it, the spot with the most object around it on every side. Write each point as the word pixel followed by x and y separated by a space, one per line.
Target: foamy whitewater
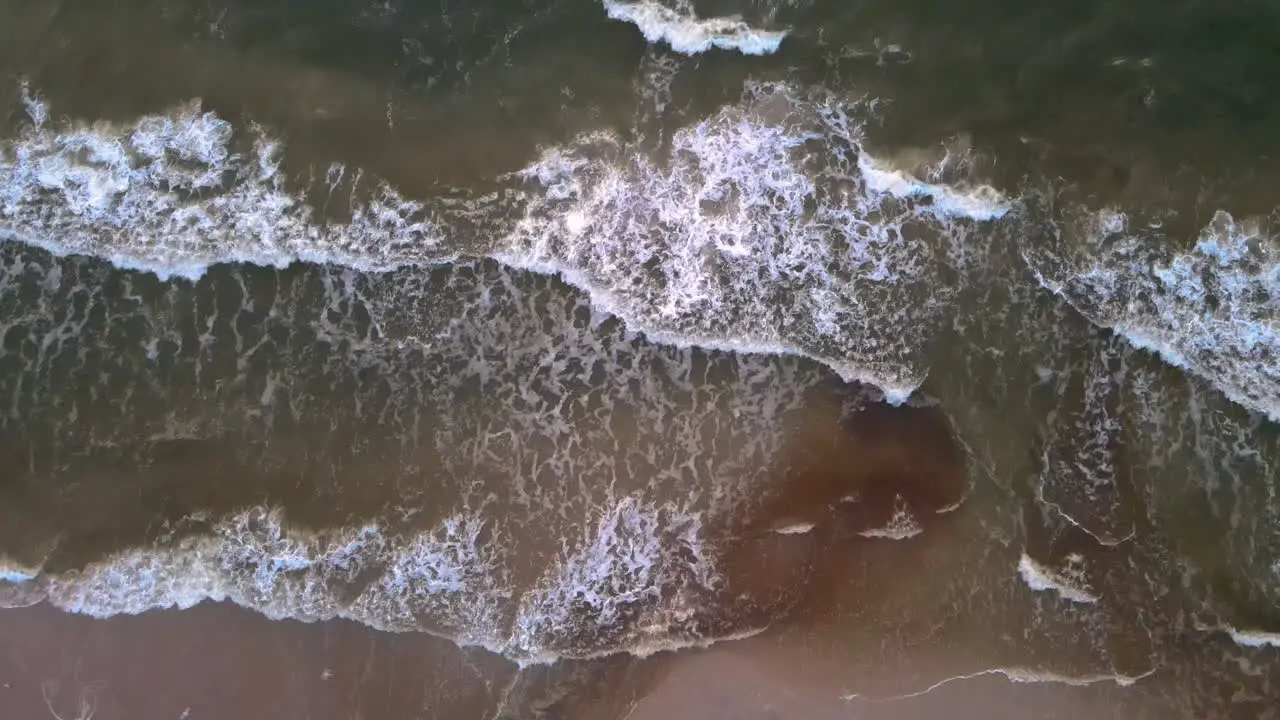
pixel 745 238
pixel 170 195
pixel 678 26
pixel 589 470
pixel 578 558
pixel 1211 311
pixel 901 525
pixel 741 237
pixel 697 249
pixel 446 581
pixel 1067 582
pixel 451 326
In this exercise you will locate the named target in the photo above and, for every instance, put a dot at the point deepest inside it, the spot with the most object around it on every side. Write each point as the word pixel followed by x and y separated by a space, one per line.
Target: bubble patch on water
pixel 1080 477
pixel 609 585
pixel 442 580
pixel 605 595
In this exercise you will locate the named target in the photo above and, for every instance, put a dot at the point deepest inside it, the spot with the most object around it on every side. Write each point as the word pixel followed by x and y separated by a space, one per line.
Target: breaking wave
pixel 681 28
pixel 447 580
pixel 758 233
pixel 1254 638
pixel 1210 310
pixel 1067 582
pixel 766 228
pixel 172 194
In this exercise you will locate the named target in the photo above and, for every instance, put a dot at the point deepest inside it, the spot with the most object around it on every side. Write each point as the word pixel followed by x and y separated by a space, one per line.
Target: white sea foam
pixel 1254 638
pixel 978 202
pixel 1078 472
pixel 679 27
pixel 561 534
pixel 706 247
pixel 1211 311
pixel 1021 675
pixel 634 554
pixel 1066 582
pixel 757 233
pixel 169 194
pixel 1251 638
pixel 647 647
pixel 767 229
pixel 795 528
pixel 902 525
pixel 1024 675
pixel 14 572
pixel 1203 446
pixel 604 596
pixel 253 559
pixel 582 572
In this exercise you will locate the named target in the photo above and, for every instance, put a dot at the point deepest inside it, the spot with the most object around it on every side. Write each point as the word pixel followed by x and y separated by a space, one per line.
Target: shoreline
pixel 221 661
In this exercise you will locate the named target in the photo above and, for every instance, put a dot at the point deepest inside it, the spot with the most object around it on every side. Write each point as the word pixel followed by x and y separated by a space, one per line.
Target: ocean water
pixel 900 347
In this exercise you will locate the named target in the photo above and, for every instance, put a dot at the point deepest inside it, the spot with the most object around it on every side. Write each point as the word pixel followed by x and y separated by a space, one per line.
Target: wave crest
pixel 686 33
pixel 758 232
pixel 766 228
pixel 173 194
pixel 1210 310
pixel 452 579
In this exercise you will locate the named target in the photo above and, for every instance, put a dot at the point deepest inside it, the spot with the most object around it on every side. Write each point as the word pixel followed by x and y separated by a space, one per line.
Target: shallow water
pixel 901 356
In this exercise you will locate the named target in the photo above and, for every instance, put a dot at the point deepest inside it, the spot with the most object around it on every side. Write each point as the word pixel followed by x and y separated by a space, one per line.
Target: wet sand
pixel 220 661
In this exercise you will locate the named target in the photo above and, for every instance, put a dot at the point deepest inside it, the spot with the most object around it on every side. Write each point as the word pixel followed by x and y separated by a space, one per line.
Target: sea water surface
pixel 582 359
